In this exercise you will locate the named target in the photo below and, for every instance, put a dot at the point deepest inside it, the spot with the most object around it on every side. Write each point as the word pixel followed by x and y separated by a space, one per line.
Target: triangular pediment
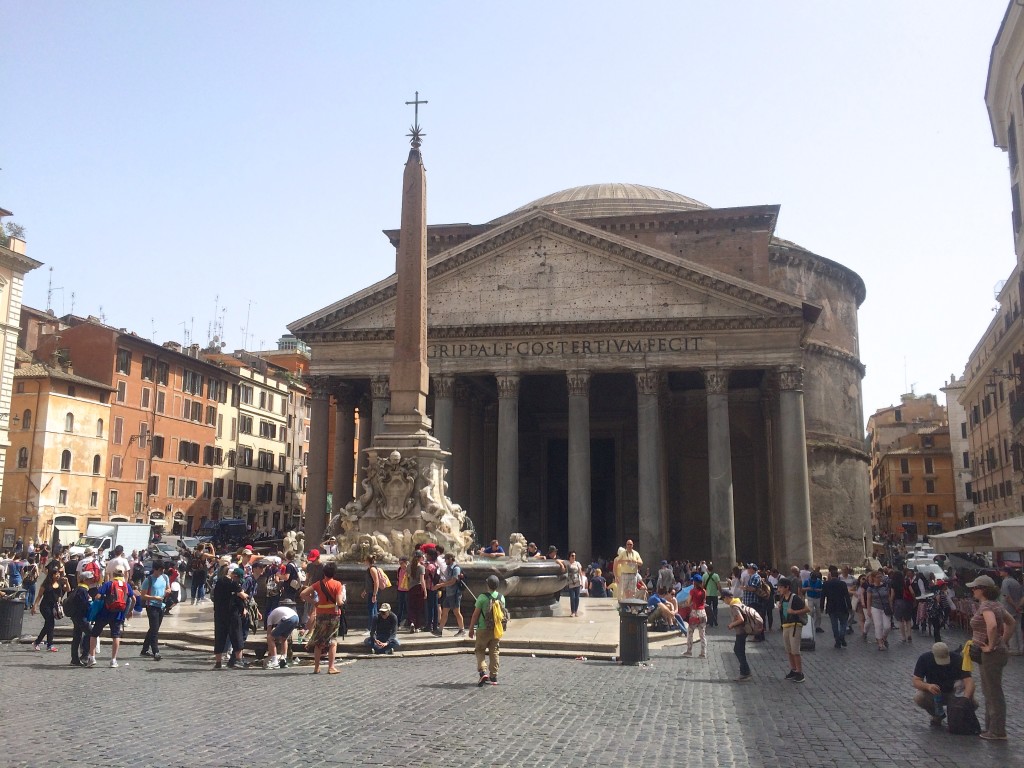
pixel 544 269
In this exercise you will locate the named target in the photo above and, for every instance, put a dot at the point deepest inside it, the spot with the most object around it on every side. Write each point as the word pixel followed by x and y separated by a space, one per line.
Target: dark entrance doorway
pixel 602 498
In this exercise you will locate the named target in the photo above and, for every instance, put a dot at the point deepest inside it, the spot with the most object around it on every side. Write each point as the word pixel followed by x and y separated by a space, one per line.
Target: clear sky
pixel 179 164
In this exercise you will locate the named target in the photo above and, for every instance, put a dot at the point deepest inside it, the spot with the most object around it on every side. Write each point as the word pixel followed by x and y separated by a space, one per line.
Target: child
pixel 939 607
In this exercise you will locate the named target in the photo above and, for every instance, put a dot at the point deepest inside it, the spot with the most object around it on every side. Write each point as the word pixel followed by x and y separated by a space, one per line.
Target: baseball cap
pixel 238 571
pixel 314 554
pixel 385 608
pixel 982 581
pixel 941 653
pixel 248 547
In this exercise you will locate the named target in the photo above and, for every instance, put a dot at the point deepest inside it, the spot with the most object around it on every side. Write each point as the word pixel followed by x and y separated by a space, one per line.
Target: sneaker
pixel 791 675
pixel 687 653
pixel 437 633
pixel 146 653
pixel 743 678
pixel 53 649
pixel 113 663
pixel 218 665
pixel 798 677
pixel 390 652
pixel 91 661
pixel 157 657
pixel 35 646
pixel 993 737
pixel 282 664
pixel 484 680
pixel 494 680
pixel 460 633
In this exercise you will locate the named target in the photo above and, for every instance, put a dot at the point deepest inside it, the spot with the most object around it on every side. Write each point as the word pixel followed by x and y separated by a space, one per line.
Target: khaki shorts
pixel 791 639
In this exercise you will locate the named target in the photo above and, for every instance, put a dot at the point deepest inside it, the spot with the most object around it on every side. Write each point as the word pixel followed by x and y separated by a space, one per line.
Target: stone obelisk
pixel 407 424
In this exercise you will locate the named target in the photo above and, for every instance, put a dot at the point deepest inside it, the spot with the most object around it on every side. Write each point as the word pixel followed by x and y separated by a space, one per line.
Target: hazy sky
pixel 170 158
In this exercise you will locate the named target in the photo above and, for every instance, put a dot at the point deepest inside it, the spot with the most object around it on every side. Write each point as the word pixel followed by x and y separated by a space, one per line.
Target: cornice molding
pixel 591 327
pixel 825 350
pixel 784 254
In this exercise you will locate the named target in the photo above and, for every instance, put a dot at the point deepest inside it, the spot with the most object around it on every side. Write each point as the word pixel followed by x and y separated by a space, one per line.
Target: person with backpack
pixel 793 610
pixel 936 674
pixel 738 624
pixel 229 601
pixel 154 590
pixel 199 569
pixel 813 586
pixel 77 609
pixel 755 593
pixel 487 627
pixel 452 599
pixel 117 596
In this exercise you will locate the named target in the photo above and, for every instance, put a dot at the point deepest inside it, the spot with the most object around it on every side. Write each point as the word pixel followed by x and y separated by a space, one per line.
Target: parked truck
pixel 103 537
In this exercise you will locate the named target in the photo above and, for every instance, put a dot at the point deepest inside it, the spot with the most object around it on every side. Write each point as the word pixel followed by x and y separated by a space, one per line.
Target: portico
pixel 594 386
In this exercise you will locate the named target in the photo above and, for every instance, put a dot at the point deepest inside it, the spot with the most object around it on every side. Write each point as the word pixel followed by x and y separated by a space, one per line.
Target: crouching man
pixel 382 637
pixel 935 677
pixel 281 622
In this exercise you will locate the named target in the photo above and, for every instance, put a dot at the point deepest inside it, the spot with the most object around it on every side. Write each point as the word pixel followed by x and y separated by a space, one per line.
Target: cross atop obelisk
pixel 414 132
pixel 410 376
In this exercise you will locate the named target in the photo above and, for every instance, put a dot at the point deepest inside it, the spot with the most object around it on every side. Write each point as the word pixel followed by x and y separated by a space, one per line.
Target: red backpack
pixel 116 599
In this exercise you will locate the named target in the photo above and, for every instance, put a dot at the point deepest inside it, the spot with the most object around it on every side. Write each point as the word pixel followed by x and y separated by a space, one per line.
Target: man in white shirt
pixel 89 562
pixel 281 622
pixel 116 563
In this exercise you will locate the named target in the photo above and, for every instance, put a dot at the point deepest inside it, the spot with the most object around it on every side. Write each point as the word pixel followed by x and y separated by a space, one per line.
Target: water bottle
pixel 939 705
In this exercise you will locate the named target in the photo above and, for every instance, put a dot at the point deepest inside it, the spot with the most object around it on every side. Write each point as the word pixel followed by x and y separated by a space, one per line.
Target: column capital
pixel 790 378
pixel 380 389
pixel 322 386
pixel 444 386
pixel 716 380
pixel 578 383
pixel 648 382
pixel 508 385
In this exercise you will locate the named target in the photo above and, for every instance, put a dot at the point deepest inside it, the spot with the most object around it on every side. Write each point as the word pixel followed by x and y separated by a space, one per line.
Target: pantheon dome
pixel 597 200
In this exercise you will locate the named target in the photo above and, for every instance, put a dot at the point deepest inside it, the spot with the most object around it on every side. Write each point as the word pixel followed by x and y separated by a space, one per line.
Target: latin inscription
pixel 576 347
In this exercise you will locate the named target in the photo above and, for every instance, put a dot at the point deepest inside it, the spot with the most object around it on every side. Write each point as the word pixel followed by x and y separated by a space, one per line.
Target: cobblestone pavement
pixel 854 710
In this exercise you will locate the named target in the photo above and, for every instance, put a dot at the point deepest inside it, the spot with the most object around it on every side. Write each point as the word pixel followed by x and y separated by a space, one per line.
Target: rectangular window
pixel 191 488
pixel 62 497
pixel 197 410
pixel 140 469
pixel 245 425
pixel 171 486
pixel 143 434
pixel 270 401
pixel 115 466
pixel 245 457
pixel 112 502
pixel 138 502
pixel 908 510
pixel 929 466
pixel 898 415
pixel 220 425
pixel 1015 215
pixel 145 398
pixel 181 487
pixel 154 485
pixel 158 446
pixel 280 494
pixel 245 393
pixel 207 490
pixel 124 361
pixel 231 489
pixel 268 429
pixel 280 462
pixel 148 368
pixel 263 399
pixel 986 406
pixel 963 429
pixel 234 428
pixel 186 408
pixel 211 415
pixel 905 466
pixel 967 460
pixel 162 373
pixel 1011 143
pixel 243 492
pixel 218 487
pixel 906 486
pixel 160 402
pixel 192 383
pixel 122 391
pixel 94 499
pixel 929 486
pixel 932 510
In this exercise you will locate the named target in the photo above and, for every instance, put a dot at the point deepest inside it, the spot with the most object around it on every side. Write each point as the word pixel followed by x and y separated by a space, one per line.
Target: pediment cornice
pixel 593 328
pixel 537 222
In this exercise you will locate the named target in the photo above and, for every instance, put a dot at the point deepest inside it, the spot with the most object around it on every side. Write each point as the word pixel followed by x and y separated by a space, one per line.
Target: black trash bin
pixel 633 646
pixel 12 613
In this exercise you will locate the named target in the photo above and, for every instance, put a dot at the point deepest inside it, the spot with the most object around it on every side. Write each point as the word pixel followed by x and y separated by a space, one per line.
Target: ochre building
pixel 618 361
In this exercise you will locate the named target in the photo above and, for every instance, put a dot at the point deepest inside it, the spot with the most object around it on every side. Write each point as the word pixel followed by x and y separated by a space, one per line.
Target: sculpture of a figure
pixel 517 546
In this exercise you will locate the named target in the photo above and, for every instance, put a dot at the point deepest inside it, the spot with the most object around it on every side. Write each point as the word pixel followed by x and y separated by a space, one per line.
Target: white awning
pixel 1006 534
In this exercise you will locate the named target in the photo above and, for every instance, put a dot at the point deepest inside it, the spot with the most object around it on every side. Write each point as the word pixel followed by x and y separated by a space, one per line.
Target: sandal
pixel 316 670
pixel 333 671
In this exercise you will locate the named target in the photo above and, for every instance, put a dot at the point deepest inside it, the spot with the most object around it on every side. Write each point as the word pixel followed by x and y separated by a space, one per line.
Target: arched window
pixel 99 427
pixel 22 458
pixel 26 419
pixel 69 423
pixel 96 464
pixel 65 461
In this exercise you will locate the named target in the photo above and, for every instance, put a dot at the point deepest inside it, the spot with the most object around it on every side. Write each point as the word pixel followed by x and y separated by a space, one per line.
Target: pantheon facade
pixel 618 361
